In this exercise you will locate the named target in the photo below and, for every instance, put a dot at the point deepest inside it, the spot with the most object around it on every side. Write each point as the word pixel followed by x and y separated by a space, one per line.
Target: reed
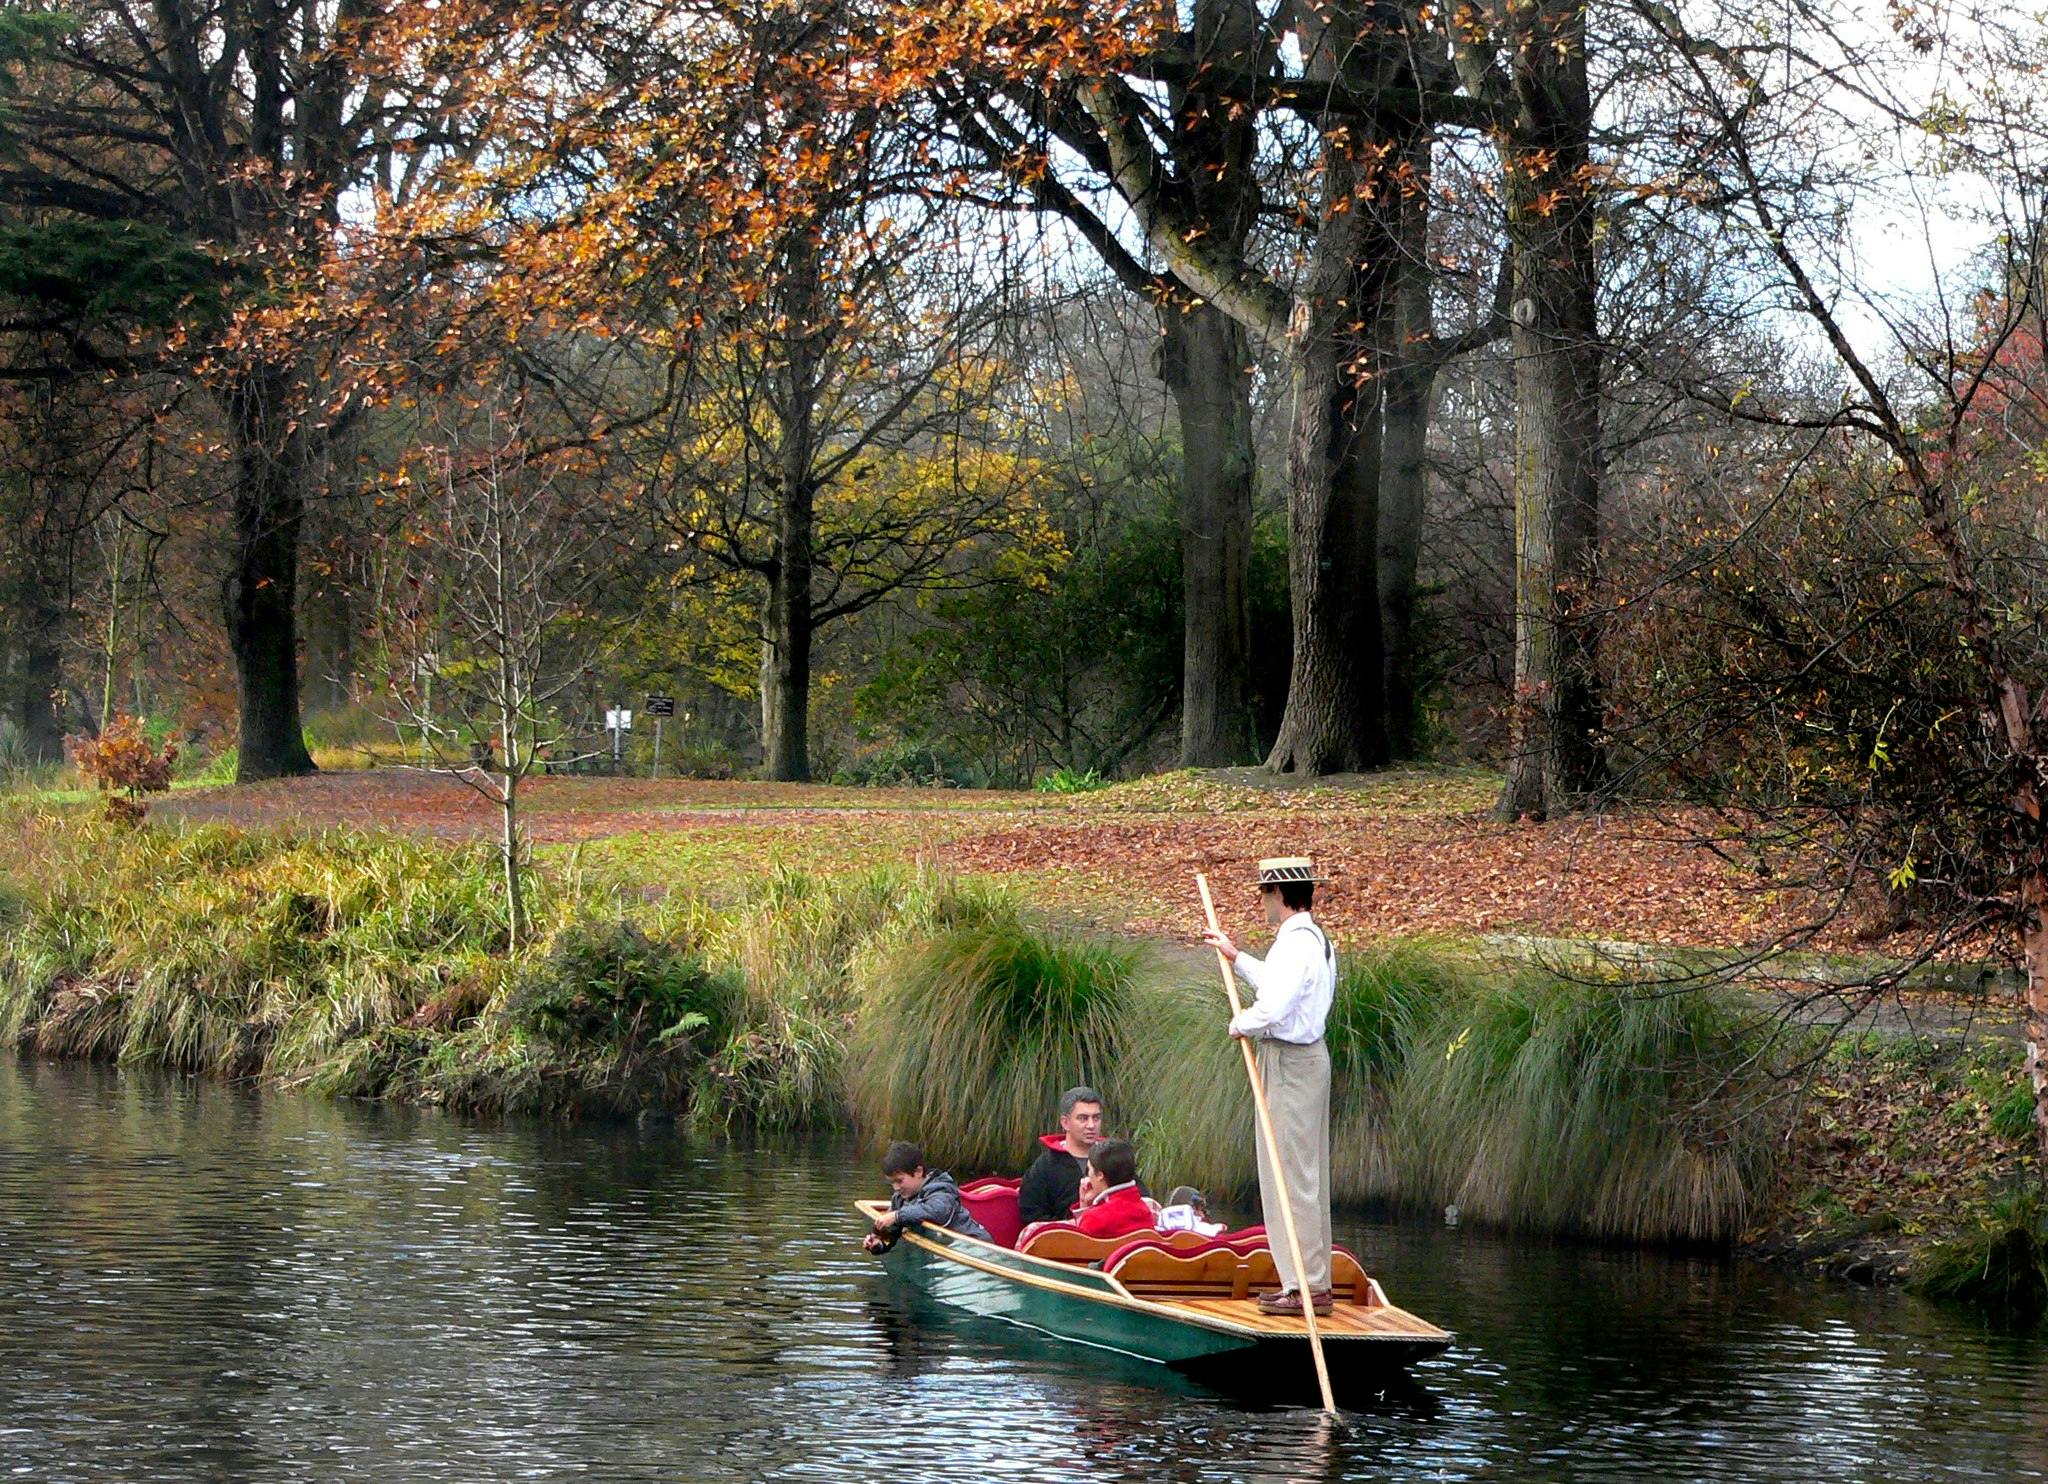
pixel 964 1040
pixel 1585 1108
pixel 798 945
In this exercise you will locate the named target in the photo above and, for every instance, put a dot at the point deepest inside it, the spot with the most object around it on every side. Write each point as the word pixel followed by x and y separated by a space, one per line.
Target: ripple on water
pixel 199 1283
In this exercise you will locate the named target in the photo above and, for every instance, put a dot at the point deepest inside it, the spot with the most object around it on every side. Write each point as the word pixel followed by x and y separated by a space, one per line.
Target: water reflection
pixel 201 1283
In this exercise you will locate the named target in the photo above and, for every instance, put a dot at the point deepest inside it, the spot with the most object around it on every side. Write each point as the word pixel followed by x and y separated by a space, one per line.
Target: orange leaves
pixel 121 763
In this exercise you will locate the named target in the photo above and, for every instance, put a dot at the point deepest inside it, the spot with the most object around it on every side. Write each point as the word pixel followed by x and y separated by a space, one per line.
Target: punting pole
pixel 1251 1070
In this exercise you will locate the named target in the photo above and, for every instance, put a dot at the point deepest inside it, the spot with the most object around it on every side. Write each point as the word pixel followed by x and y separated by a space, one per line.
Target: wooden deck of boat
pixel 1345 1320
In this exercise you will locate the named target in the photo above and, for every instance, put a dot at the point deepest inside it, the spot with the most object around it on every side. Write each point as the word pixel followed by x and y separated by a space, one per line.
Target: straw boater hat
pixel 1276 869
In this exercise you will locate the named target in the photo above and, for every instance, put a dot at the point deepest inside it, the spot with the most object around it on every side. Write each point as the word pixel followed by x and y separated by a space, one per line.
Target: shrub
pixel 1071 781
pixel 609 984
pixel 124 766
pixel 907 765
pixel 710 759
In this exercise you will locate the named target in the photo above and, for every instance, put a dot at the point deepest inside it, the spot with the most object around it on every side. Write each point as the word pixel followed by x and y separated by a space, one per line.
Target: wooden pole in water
pixel 1251 1070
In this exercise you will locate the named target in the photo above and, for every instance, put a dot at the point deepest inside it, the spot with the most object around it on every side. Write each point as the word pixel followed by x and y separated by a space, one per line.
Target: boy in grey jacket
pixel 920 1198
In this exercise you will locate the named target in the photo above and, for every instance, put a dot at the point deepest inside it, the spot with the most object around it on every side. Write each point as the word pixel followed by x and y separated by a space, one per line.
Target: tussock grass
pixel 1585 1108
pixel 1528 1102
pixel 963 1041
pixel 799 946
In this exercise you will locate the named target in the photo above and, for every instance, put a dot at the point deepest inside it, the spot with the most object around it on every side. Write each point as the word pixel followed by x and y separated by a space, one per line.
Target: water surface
pixel 202 1283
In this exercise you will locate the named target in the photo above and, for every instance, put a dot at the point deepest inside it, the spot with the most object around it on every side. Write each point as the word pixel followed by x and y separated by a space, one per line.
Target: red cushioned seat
pixel 994 1205
pixel 1063 1241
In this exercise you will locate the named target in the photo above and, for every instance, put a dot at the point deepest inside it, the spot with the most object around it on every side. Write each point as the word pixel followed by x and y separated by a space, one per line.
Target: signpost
pixel 618 721
pixel 659 707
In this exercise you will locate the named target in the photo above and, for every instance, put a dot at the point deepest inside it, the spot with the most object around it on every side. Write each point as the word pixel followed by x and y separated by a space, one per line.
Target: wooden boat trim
pixel 1115 1295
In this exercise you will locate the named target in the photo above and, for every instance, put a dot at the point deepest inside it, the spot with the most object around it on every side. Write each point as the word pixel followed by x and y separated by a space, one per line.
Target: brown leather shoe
pixel 1288 1304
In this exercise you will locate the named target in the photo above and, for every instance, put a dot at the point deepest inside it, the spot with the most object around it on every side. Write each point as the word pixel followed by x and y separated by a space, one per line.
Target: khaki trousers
pixel 1297 1080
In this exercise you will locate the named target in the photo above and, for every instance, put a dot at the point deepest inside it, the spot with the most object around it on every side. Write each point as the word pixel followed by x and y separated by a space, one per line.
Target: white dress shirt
pixel 1295 981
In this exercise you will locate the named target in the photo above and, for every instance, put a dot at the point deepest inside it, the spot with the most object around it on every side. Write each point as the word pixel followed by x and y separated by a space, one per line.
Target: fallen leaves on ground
pixel 1411 852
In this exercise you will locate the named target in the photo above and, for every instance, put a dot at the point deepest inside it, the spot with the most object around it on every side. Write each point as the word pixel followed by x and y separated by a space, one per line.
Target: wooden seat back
pixel 1151 1271
pixel 1162 1273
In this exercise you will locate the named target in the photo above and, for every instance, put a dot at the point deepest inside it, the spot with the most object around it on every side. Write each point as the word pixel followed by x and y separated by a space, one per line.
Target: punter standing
pixel 1295 981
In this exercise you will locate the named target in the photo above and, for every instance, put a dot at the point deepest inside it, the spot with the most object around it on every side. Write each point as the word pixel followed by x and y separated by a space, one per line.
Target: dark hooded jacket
pixel 939 1204
pixel 1052 1184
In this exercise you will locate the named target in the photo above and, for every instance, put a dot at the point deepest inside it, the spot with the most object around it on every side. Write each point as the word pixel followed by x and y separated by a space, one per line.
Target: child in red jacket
pixel 1111 1204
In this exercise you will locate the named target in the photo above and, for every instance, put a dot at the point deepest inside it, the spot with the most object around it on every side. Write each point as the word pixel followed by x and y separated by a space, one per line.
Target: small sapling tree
pixel 122 764
pixel 485 620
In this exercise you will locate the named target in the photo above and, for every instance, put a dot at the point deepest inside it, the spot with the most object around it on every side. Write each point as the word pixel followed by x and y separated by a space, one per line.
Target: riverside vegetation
pixel 912 1000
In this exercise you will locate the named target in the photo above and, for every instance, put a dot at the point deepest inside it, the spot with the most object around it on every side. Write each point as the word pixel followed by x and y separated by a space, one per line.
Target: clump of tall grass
pixel 964 1040
pixel 2000 1265
pixel 1585 1108
pixel 796 944
pixel 222 950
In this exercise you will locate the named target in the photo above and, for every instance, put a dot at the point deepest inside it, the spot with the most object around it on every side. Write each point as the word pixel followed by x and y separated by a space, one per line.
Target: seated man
pixel 1112 1205
pixel 920 1198
pixel 1053 1183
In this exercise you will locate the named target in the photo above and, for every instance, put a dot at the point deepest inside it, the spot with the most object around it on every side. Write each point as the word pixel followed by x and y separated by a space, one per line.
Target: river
pixel 204 1283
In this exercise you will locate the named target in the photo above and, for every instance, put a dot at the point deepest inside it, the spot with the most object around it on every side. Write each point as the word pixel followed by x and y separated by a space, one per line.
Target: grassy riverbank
pixel 915 1000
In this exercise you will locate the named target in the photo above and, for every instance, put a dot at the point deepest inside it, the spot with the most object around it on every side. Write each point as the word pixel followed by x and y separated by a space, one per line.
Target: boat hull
pixel 1076 1307
pixel 1084 1306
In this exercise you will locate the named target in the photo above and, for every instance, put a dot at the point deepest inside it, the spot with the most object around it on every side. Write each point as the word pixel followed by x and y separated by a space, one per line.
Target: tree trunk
pixel 261 591
pixel 1554 753
pixel 1404 485
pixel 2034 953
pixel 786 661
pixel 1335 721
pixel 788 618
pixel 515 897
pixel 1409 374
pixel 1206 363
pixel 42 673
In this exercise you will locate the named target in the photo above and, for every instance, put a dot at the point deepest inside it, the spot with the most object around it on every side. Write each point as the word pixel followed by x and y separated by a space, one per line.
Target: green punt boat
pixel 1210 1328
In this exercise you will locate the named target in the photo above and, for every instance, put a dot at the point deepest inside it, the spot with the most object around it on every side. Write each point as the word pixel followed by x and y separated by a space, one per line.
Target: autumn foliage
pixel 122 764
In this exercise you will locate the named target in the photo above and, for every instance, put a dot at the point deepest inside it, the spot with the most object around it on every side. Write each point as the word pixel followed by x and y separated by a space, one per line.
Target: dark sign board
pixel 661 705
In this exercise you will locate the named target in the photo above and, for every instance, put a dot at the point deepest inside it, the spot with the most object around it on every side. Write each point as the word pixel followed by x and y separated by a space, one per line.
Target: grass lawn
pixel 1413 851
